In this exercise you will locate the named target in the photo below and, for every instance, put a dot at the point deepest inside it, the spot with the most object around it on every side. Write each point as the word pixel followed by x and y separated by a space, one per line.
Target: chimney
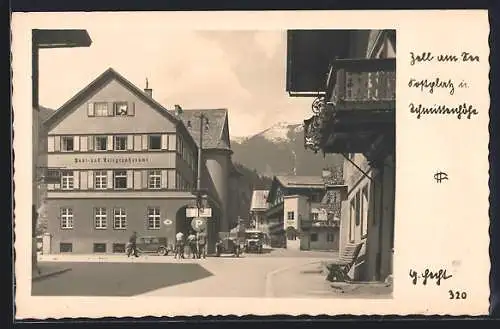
pixel 147 90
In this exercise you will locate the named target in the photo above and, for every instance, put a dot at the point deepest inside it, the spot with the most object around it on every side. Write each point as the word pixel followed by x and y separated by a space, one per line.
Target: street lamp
pixel 44 39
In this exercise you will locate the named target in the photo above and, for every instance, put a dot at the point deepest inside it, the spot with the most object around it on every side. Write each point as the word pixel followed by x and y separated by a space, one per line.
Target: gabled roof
pixel 301 181
pixel 98 83
pixel 259 199
pixel 217 134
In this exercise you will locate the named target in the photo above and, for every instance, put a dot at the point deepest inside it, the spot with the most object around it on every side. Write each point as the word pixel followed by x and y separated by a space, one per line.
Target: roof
pixel 259 199
pixel 108 75
pixel 216 136
pixel 301 181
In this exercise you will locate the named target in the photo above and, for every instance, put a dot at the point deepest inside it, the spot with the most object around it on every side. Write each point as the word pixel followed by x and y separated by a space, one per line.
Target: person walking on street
pixel 192 245
pixel 179 245
pixel 202 242
pixel 133 245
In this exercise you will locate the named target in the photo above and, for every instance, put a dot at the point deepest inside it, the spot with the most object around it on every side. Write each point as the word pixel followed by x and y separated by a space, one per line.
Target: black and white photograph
pixel 262 165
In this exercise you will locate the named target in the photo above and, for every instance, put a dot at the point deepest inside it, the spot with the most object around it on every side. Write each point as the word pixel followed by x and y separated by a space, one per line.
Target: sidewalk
pixel 47 270
pixel 115 258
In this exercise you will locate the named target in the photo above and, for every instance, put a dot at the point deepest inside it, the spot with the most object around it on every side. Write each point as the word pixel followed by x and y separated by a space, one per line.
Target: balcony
pixel 357 109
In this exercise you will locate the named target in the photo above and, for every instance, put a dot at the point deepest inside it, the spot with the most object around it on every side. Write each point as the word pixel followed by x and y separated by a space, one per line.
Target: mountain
pixel 279 150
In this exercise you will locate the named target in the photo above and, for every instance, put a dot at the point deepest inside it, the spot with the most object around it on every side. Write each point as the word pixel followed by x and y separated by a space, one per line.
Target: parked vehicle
pixel 254 240
pixel 228 245
pixel 152 245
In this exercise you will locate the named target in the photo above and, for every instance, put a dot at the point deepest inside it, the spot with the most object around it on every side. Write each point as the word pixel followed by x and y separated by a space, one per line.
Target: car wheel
pixel 162 251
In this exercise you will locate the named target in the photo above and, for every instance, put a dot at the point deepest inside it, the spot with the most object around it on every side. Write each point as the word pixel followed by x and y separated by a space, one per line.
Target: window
pixel 315 216
pixel 291 215
pixel 67 180
pixel 154 142
pixel 101 180
pixel 101 109
pixel 120 108
pixel 314 237
pixel 352 220
pixel 120 219
pixel 358 210
pixel 100 218
pixel 66 218
pixel 364 211
pixel 120 143
pixel 120 179
pixel 330 237
pixel 119 247
pixel 101 143
pixel 65 247
pixel 154 218
pixel 67 143
pixel 99 247
pixel 154 179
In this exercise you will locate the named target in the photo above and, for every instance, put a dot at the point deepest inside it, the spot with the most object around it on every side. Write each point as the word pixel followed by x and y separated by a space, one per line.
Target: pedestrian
pixel 202 242
pixel 179 245
pixel 133 245
pixel 192 245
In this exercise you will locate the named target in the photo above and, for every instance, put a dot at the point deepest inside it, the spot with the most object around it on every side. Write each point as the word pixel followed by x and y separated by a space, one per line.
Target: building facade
pixel 299 216
pixel 354 115
pixel 126 164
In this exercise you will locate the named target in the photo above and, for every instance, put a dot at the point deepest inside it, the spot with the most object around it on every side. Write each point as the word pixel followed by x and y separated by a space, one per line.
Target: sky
pixel 243 71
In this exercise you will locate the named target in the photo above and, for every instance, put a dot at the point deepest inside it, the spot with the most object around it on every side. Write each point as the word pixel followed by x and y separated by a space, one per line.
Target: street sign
pixel 195 212
pixel 199 223
pixel 191 212
pixel 167 222
pixel 205 212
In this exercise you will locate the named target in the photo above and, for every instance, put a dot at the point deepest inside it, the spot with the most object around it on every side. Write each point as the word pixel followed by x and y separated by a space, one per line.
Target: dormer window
pixel 121 109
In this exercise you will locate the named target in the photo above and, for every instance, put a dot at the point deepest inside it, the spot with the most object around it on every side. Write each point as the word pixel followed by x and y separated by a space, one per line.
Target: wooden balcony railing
pixel 362 84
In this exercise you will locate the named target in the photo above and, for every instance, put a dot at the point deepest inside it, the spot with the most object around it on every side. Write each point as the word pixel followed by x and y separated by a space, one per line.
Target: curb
pixel 49 274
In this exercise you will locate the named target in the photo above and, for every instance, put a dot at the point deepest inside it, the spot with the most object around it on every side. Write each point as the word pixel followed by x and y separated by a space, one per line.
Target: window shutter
pixel 111 109
pixel 144 142
pixel 91 143
pixel 131 109
pixel 76 143
pixel 83 143
pixel 137 180
pixel 76 180
pixel 90 109
pixel 144 179
pixel 172 142
pixel 130 142
pixel 137 142
pixel 164 179
pixel 171 179
pixel 90 179
pixel 83 178
pixel 109 147
pixel 57 143
pixel 130 179
pixel 164 142
pixel 50 144
pixel 110 179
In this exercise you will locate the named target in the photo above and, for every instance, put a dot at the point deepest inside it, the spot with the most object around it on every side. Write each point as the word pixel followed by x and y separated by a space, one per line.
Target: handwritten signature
pixel 428 274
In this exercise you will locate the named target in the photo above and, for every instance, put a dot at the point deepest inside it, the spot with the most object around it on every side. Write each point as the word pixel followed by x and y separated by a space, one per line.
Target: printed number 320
pixel 457 294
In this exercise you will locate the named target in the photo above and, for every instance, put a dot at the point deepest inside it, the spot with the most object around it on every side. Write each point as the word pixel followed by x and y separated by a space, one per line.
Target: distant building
pixel 128 164
pixel 299 215
pixel 258 209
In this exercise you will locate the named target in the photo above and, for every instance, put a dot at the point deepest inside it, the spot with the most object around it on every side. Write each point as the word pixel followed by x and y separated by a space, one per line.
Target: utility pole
pixel 202 117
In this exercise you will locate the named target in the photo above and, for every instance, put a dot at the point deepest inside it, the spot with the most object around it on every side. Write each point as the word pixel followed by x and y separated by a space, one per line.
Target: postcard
pixel 251 163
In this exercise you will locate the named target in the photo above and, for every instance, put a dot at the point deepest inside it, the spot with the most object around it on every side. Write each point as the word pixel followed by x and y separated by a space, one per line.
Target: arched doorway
pixel 183 224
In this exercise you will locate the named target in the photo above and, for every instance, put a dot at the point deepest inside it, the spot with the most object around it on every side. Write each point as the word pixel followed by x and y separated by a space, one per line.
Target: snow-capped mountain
pixel 279 150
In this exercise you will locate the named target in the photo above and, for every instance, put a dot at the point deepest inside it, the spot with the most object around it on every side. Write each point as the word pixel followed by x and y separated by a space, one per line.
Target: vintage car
pixel 152 245
pixel 227 245
pixel 254 240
